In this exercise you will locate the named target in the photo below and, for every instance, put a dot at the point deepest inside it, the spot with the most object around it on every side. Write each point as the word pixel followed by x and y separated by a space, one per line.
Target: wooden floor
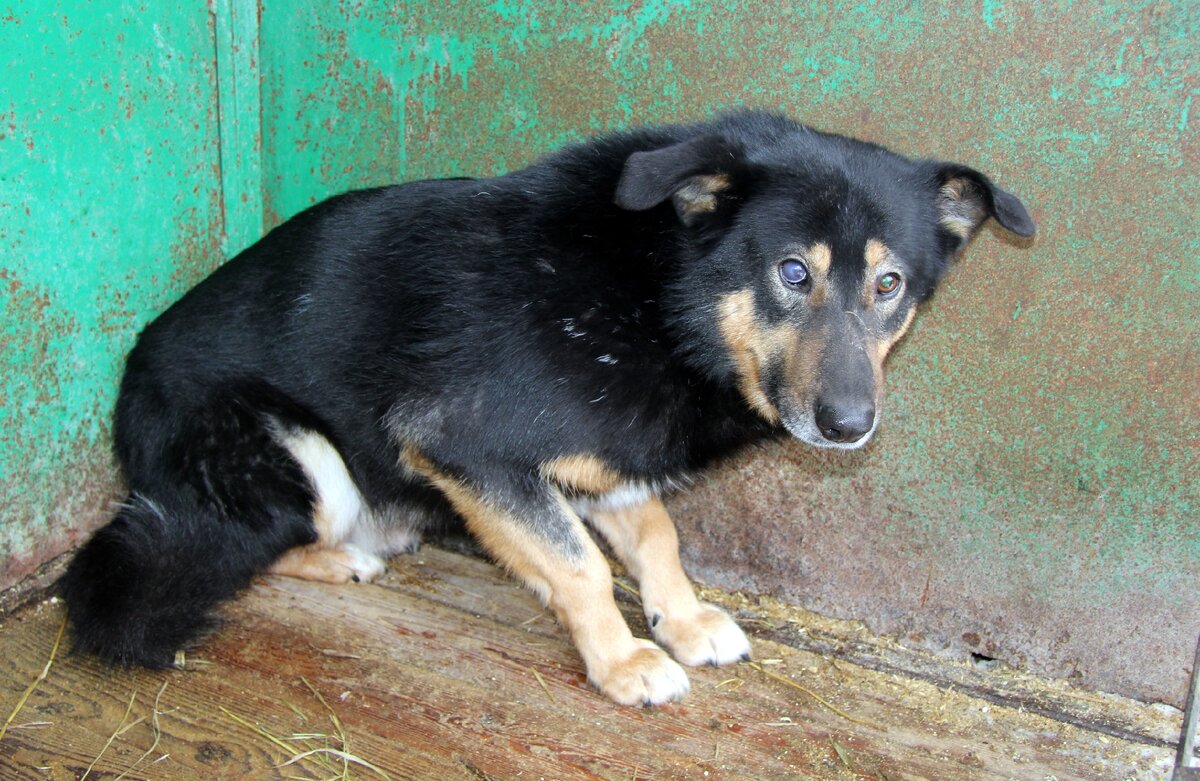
pixel 446 670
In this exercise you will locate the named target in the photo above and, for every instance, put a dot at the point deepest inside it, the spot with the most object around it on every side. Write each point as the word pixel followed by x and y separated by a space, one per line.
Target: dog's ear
pixel 693 174
pixel 965 198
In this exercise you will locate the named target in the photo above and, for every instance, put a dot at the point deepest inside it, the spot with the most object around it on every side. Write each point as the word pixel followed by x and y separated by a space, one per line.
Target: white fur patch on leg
pixel 352 538
pixel 339 506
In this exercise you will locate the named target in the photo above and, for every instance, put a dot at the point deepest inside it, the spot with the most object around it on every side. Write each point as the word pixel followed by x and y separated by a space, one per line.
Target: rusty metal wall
pixel 1032 495
pixel 109 209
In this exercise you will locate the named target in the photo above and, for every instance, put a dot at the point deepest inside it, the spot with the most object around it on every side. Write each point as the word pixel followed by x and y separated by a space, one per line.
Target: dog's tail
pixel 145 585
pixel 216 499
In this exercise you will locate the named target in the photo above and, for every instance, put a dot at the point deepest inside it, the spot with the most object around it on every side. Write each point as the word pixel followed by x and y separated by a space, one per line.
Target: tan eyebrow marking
pixel 820 257
pixel 877 252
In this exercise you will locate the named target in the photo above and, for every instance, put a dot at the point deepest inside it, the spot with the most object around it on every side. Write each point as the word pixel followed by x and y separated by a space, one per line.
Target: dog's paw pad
pixel 707 636
pixel 646 677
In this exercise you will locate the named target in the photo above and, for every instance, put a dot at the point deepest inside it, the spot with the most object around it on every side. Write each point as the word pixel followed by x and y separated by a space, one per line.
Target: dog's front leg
pixel 644 538
pixel 530 529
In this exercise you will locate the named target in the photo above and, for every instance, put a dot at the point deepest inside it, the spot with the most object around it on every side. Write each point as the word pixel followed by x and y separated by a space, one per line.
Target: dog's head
pixel 804 258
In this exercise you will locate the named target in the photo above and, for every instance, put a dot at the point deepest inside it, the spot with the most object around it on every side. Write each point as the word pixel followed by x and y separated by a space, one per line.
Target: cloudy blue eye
pixel 793 272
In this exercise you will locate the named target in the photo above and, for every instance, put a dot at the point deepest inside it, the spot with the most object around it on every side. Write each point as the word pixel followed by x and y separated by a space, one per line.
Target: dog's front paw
pixel 647 676
pixel 707 636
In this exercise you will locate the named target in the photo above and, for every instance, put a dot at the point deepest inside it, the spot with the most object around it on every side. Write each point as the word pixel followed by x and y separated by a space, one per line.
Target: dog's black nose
pixel 846 423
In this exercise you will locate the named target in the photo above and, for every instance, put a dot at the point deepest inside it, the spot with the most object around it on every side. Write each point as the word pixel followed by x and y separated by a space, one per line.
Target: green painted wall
pixel 109 208
pixel 1033 494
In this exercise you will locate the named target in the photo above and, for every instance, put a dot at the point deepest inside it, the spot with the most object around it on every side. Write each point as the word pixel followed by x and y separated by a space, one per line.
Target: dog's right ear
pixel 693 174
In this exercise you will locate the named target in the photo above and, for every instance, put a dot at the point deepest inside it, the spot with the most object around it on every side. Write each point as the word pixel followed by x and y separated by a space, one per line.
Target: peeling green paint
pixel 239 121
pixel 989 13
pixel 108 209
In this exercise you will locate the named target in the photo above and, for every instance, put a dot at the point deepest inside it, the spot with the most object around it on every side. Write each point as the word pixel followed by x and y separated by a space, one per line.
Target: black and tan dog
pixel 530 354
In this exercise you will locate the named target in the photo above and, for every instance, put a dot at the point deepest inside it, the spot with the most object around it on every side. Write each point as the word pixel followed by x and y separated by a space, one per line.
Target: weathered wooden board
pixel 448 670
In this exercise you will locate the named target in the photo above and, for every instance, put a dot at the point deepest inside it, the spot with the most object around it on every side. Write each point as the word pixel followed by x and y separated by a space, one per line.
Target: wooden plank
pixel 448 670
pixel 1111 715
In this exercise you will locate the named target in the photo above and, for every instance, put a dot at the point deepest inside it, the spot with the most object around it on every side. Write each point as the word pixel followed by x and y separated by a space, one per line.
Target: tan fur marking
pixel 820 258
pixel 885 345
pixel 582 472
pixel 748 347
pixel 879 351
pixel 712 183
pixel 754 347
pixel 699 193
pixel 960 207
pixel 644 539
pixel 338 564
pixel 324 523
pixel 527 556
pixel 415 460
pixel 626 669
pixel 316 561
pixel 877 252
pixel 803 360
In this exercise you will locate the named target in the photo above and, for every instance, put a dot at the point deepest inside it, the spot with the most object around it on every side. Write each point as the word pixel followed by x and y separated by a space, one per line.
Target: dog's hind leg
pixel 529 528
pixel 215 499
pixel 643 537
pixel 339 563
pixel 341 552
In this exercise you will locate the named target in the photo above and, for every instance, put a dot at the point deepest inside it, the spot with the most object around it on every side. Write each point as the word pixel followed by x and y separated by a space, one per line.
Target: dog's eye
pixel 887 285
pixel 793 272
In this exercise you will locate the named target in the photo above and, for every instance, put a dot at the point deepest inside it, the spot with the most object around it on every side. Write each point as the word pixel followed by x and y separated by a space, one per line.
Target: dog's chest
pixel 627 495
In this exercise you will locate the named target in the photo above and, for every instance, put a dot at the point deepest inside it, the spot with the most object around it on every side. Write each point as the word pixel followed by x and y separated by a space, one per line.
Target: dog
pixel 530 355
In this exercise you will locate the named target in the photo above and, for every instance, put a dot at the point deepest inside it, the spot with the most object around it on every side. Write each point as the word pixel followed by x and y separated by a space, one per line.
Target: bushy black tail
pixel 215 500
pixel 145 585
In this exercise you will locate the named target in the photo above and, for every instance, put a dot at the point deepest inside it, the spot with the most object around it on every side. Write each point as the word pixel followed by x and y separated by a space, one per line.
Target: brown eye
pixel 887 285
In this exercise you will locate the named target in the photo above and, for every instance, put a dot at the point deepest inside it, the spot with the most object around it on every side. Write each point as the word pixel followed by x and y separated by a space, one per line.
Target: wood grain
pixel 431 675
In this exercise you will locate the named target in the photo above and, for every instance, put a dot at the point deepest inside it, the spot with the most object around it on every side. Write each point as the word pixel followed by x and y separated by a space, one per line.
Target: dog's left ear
pixel 966 198
pixel 693 174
